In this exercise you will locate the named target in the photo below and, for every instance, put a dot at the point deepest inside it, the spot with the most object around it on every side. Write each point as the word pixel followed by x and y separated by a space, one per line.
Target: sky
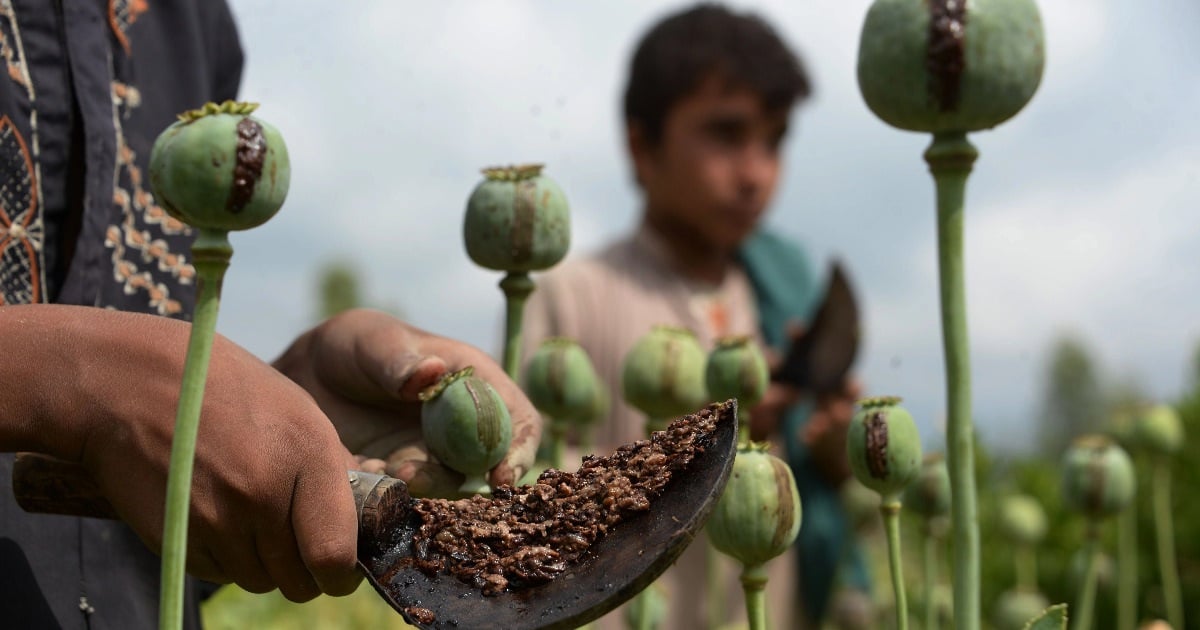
pixel 1083 212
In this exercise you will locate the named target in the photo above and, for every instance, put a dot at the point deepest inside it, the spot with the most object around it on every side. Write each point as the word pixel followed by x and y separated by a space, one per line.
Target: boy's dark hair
pixel 684 49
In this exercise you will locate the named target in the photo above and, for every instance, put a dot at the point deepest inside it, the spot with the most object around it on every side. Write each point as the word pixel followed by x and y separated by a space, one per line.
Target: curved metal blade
pixel 617 567
pixel 820 359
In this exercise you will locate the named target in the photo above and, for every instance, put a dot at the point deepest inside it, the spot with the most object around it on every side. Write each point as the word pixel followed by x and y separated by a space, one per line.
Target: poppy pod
pixel 736 368
pixel 561 381
pixel 950 65
pixel 1159 430
pixel 758 516
pixel 1098 477
pixel 663 374
pixel 517 220
pixel 929 494
pixel 466 426
pixel 1022 519
pixel 884 447
pixel 220 168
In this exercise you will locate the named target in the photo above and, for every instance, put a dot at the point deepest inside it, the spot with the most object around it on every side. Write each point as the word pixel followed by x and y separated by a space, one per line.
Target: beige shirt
pixel 607 302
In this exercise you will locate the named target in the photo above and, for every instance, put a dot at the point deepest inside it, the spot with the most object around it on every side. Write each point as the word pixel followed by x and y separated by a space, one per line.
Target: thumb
pixel 395 376
pixel 414 377
pixel 426 478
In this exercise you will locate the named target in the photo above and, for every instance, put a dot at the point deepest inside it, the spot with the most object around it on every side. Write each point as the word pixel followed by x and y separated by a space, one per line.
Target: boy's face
pixel 714 170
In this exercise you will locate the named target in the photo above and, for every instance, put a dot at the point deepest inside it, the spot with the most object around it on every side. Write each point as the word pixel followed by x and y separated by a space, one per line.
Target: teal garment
pixel 786 290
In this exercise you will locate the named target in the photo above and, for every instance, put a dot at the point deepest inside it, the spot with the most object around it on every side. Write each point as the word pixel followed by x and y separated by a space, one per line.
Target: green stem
pixel 1127 567
pixel 475 484
pixel 891 524
pixel 931 579
pixel 558 444
pixel 645 615
pixel 754 585
pixel 714 590
pixel 950 158
pixel 743 427
pixel 1086 602
pixel 1026 561
pixel 210 255
pixel 1166 542
pixel 517 286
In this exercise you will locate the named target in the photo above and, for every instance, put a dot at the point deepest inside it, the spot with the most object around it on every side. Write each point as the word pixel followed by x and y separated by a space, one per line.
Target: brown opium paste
pixel 529 535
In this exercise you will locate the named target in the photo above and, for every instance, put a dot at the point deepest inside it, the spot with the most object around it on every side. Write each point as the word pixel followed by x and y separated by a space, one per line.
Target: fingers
pixel 426 478
pixel 371 357
pixel 326 529
pixel 372 465
pixel 421 375
pixel 766 416
pixel 281 555
pixel 395 370
pixel 374 358
pixel 200 564
pixel 527 434
pixel 235 555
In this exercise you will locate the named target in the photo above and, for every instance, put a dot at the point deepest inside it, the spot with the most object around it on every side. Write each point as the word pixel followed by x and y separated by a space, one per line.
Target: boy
pixel 707 108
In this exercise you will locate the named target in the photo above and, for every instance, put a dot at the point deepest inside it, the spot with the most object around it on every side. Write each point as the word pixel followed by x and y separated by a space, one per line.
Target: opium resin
pixel 529 535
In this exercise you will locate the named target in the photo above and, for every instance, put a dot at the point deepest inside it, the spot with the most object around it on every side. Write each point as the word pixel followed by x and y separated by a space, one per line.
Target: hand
pixel 365 369
pixel 766 416
pixel 825 431
pixel 270 504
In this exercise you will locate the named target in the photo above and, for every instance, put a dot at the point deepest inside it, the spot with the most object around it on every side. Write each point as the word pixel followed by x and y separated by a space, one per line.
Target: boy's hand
pixel 826 429
pixel 365 369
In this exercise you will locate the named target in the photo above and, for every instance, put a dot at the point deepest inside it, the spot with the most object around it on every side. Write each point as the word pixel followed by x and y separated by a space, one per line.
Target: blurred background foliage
pixel 339 288
pixel 1074 381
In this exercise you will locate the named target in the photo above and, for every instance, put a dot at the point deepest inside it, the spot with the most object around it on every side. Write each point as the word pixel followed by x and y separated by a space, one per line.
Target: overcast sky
pixel 1083 212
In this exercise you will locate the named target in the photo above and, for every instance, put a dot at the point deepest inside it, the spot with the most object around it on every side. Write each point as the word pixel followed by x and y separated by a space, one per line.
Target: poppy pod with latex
pixel 884 447
pixel 220 168
pixel 1098 477
pixel 517 220
pixel 758 515
pixel 950 65
pixel 466 425
pixel 561 381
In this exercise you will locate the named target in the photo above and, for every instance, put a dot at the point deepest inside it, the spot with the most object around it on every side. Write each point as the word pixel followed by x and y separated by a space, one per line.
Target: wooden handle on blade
pixel 47 485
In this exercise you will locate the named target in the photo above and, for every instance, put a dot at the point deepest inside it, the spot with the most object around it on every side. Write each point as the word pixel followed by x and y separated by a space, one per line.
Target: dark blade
pixel 617 567
pixel 820 359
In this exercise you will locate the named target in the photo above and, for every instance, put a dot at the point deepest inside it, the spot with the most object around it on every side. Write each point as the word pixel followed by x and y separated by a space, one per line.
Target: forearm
pixel 65 368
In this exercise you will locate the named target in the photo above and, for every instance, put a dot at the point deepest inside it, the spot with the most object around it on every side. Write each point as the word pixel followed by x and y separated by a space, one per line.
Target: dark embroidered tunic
pixel 87 86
